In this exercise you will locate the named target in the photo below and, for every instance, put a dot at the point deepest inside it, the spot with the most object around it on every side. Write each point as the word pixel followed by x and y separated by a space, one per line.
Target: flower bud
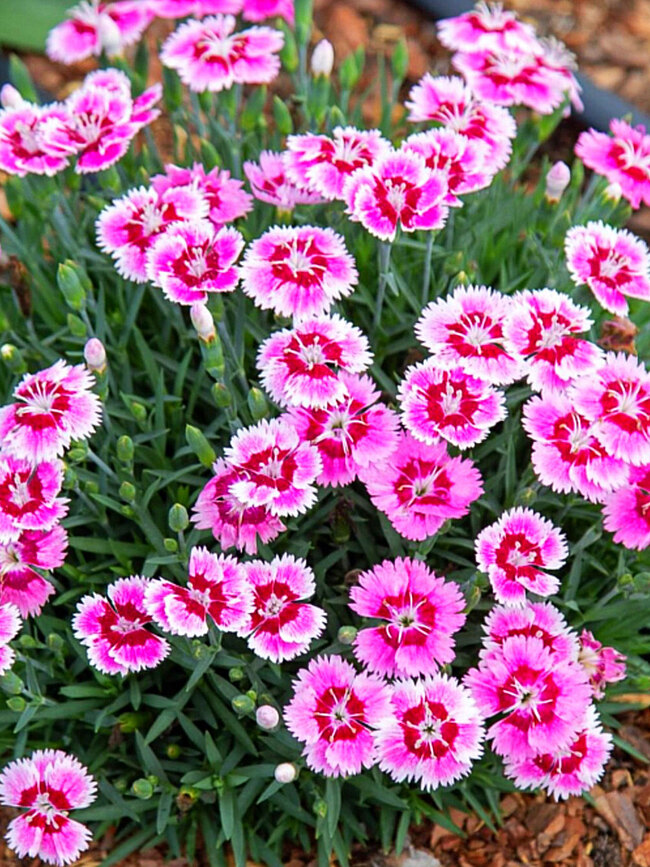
pixel 236 674
pixel 16 703
pixel 178 518
pixel 267 717
pixel 613 192
pixel 55 642
pixel 285 773
pixel 400 60
pixel 95 355
pixel 243 704
pixel 10 98
pixel 199 445
pixel 322 59
pixel 127 492
pixel 320 808
pixel 222 397
pixel 13 358
pixel 125 449
pixel 203 322
pixel 170 545
pixel 138 411
pixel 76 326
pixel 347 634
pixel 27 641
pixel 68 280
pixel 142 789
pixel 11 683
pixel 257 404
pixel 282 116
pixel 557 180
pixel 173 751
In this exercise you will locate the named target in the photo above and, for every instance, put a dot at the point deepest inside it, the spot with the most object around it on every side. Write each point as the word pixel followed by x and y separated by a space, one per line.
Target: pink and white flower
pixel 298 271
pixel 626 510
pixel 53 407
pixel 23 141
pixel 20 584
pixel 434 733
pixel 209 55
pixel 127 228
pixel 485 26
pixel 396 190
pixel 10 624
pixel 534 620
pixel 270 183
pixel 323 164
pixel 515 552
pixel 466 329
pixel 48 785
pixel 234 523
pixel 194 8
pixel 281 625
pixel 274 468
pixel 114 630
pixel 301 366
pixel 420 613
pixel 189 261
pixel 603 664
pixel 29 496
pixel 95 27
pixel 217 589
pixel 448 403
pixel 227 201
pixel 351 434
pixel 623 158
pixel 258 10
pixel 541 326
pixel 333 712
pixel 614 263
pixel 420 486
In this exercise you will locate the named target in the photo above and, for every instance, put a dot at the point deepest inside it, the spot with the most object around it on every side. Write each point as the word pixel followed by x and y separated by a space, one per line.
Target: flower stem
pixel 426 277
pixel 384 270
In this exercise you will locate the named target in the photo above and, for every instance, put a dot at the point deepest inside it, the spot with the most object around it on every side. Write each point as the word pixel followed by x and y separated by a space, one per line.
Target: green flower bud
pixel 76 455
pixel 289 53
pixel 257 404
pixel 121 784
pixel 173 751
pixel 127 492
pixel 170 545
pixel 13 358
pixel 125 449
pixel 178 519
pixel 400 60
pixel 55 642
pixel 350 71
pixel 76 326
pixel 70 478
pixel 347 634
pixel 127 511
pixel 473 598
pixel 27 642
pixel 11 683
pixel 132 721
pixel 235 674
pixel 209 155
pixel 282 116
pixel 222 397
pixel 69 282
pixel 303 20
pixel 320 808
pixel 251 694
pixel 199 445
pixel 213 359
pixel 142 789
pixel 242 704
pixel 138 411
pixel 91 487
pixel 336 117
pixel 16 703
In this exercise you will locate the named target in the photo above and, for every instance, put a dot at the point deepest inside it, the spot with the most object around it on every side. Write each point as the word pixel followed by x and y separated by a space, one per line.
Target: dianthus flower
pixel 603 664
pixel 617 397
pixel 420 612
pixel 449 101
pixel 29 496
pixel 114 630
pixel 281 624
pixel 351 434
pixel 20 584
pixel 127 228
pixel 300 366
pixel 333 711
pixel 323 163
pixel 194 8
pixel 626 510
pixel 466 329
pixel 570 770
pixel 623 158
pixel 234 523
pixel 270 183
pixel 258 10
pixel 448 403
pixel 298 270
pixel 541 326
pixel 434 734
pixel 95 27
pixel 216 590
pixel 208 55
pixel 274 467
pixel 53 407
pixel 48 785
pixel 23 142
pixel 485 26
pixel 614 263
pixel 227 201
pixel 189 261
pixel 543 699
pixel 10 624
pixel 534 620
pixel 515 552
pixel 420 486
pixel 397 190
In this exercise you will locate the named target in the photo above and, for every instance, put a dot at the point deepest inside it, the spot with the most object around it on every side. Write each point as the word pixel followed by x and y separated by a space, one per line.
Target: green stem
pixel 426 277
pixel 384 270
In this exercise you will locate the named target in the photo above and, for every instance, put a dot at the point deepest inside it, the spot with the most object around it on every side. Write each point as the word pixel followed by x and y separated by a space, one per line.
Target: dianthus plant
pixel 324 467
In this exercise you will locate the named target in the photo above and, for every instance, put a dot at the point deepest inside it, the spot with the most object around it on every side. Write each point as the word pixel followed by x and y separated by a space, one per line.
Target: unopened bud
pixel 320 808
pixel 267 717
pixel 178 518
pixel 127 492
pixel 173 751
pixel 76 325
pixel 557 180
pixel 347 634
pixel 95 355
pixel 236 674
pixel 16 703
pixel 13 358
pixel 55 642
pixel 222 397
pixel 613 192
pixel 138 411
pixel 257 404
pixel 243 704
pixel 170 545
pixel 142 789
pixel 125 449
pixel 11 683
pixel 203 322
pixel 199 445
pixel 68 278
pixel 285 773
pixel 10 98
pixel 322 59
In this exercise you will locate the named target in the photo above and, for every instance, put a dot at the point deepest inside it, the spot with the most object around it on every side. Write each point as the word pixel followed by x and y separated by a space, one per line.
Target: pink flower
pixel 603 665
pixel 281 626
pixel 194 8
pixel 233 522
pixel 270 183
pixel 53 407
pixel 571 770
pixel 29 496
pixel 466 329
pixel 623 159
pixel 396 190
pixel 450 102
pixel 617 397
pixel 217 588
pixel 298 271
pixel 208 56
pixel 20 584
pixel 434 734
pixel 535 620
pixel 300 366
pixel 614 263
pixel 191 260
pixel 567 456
pixel 48 785
pixel 323 163
pixel 274 467
pixel 10 624
pixel 626 510
pixel 95 27
pixel 114 632
pixel 515 551
pixel 351 434
pixel 420 613
pixel 449 404
pixel 127 228
pixel 333 711
pixel 23 140
pixel 258 10
pixel 540 326
pixel 226 198
pixel 486 26
pixel 542 698
pixel 420 486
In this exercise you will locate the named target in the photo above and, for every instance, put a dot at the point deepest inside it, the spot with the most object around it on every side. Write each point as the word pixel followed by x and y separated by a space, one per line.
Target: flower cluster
pixel 623 158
